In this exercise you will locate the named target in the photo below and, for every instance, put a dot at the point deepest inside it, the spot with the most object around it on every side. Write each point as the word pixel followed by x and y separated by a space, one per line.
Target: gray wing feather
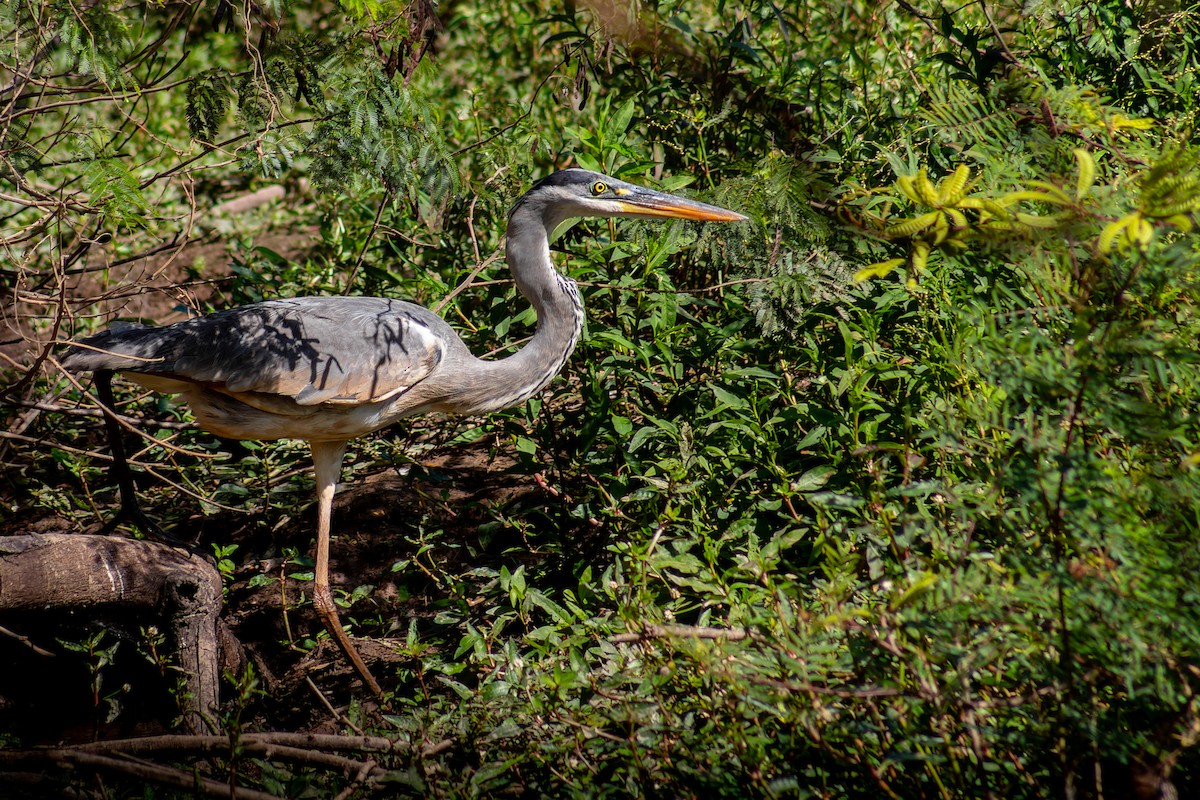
pixel 337 350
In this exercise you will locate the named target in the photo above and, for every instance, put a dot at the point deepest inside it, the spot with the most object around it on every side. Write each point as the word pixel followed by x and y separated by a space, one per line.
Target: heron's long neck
pixel 512 380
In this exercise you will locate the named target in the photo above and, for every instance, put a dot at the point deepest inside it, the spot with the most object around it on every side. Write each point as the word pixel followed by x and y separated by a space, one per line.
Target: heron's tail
pixel 124 346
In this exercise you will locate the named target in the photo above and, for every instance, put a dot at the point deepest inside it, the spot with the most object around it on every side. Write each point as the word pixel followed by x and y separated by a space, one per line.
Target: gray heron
pixel 329 369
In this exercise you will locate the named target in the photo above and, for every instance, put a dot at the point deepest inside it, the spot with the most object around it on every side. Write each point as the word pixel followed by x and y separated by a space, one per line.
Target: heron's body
pixel 323 369
pixel 329 369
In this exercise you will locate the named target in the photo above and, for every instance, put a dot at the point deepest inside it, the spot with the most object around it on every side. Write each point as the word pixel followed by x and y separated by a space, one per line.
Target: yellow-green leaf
pixel 941 228
pixel 954 187
pixel 1034 221
pixel 1058 198
pixel 1143 232
pixel 1120 121
pixel 957 217
pixel 1087 172
pixel 920 255
pixel 1181 221
pixel 914 590
pixel 913 226
pixel 1108 236
pixel 878 270
pixel 925 189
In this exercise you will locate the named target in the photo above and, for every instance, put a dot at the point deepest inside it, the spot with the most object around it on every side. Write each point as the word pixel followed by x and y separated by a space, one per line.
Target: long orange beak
pixel 651 204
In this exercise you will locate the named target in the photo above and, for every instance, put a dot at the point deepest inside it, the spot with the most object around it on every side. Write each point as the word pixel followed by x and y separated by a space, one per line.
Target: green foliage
pixel 99 650
pixel 208 99
pixel 379 133
pixel 93 36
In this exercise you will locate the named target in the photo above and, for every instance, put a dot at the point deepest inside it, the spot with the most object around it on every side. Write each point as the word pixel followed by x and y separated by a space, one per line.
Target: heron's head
pixel 583 193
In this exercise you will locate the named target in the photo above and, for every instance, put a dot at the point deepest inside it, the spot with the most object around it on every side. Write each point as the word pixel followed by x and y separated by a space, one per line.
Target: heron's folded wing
pixel 315 350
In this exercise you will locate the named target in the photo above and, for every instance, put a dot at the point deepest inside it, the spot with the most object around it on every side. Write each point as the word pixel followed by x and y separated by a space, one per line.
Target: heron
pixel 329 369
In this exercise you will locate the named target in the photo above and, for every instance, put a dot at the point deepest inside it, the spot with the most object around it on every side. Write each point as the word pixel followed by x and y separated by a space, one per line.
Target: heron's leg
pixel 131 509
pixel 327 460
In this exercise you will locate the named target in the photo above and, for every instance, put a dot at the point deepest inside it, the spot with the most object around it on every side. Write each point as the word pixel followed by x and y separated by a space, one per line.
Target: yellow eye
pixel 599 187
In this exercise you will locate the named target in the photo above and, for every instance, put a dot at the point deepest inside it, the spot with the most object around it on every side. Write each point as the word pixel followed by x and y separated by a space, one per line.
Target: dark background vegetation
pixel 892 491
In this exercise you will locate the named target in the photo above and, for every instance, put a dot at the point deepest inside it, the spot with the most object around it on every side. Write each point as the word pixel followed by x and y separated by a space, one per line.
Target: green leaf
pixel 727 398
pixel 814 479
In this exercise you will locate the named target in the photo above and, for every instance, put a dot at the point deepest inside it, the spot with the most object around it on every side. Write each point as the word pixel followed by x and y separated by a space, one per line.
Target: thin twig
pixel 809 688
pixel 150 468
pixel 362 252
pixel 646 289
pixel 340 717
pixel 532 102
pixel 368 768
pixel 154 773
pixel 25 640
pixel 987 12
pixel 681 632
pixel 79 411
pixel 467 281
pixel 257 742
pixel 130 427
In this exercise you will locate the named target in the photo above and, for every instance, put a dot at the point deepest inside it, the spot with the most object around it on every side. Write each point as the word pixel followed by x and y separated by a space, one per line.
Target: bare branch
pixel 681 632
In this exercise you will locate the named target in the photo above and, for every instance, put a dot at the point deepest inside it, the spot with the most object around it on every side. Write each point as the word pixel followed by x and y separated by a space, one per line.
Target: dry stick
pixel 716 287
pixel 150 468
pixel 362 253
pixel 28 232
pixel 809 688
pixel 232 140
pixel 293 741
pixel 518 120
pixel 17 437
pixel 97 98
pixel 59 313
pixel 681 632
pixel 361 777
pixel 188 187
pixel 337 715
pixel 590 730
pixel 122 293
pixel 1012 59
pixel 471 227
pixel 165 776
pixel 174 448
pixel 348 766
pixel 25 640
pixel 466 282
pixel 173 242
pixel 399 234
pixel 77 411
pixel 23 420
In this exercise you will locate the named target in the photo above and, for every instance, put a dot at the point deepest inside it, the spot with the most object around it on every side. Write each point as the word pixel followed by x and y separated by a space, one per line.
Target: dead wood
pixel 651 631
pixel 164 776
pixel 261 741
pixel 112 575
pixel 129 757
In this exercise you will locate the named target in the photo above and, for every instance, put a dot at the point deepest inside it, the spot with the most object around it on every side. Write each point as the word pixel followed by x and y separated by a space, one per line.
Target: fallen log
pixel 113 575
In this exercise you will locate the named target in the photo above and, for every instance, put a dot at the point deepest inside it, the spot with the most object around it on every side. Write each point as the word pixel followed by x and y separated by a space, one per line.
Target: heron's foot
pixel 323 603
pixel 149 528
